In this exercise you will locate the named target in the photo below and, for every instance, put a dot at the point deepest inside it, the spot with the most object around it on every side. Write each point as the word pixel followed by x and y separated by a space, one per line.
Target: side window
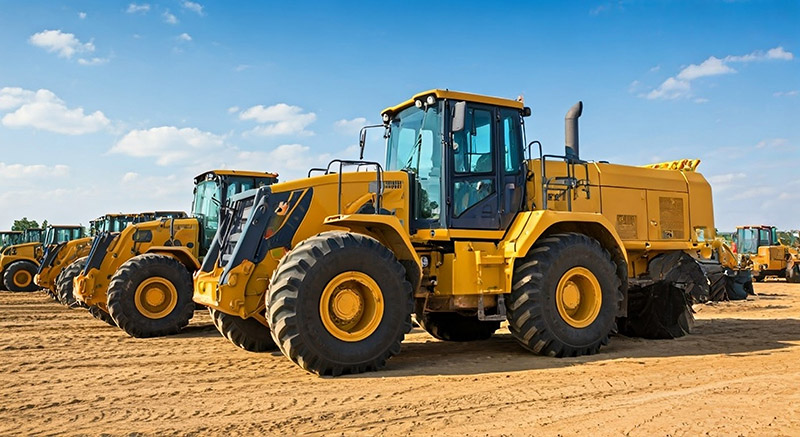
pixel 473 153
pixel 511 140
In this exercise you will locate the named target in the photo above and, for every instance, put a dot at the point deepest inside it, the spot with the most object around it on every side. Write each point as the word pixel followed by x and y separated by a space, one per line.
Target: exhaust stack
pixel 571 131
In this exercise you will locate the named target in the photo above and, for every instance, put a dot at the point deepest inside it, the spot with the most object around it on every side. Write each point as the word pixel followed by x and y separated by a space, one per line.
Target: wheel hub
pixel 347 304
pixel 578 297
pixel 155 297
pixel 351 306
pixel 22 278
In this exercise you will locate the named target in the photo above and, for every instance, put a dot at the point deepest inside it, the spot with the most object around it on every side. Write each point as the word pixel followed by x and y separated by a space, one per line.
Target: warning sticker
pixel 626 227
pixel 671 217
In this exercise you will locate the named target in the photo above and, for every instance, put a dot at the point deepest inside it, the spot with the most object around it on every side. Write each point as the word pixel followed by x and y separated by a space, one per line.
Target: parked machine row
pixel 464 225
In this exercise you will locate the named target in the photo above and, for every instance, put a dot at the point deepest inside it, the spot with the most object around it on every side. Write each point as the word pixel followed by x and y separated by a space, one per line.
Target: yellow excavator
pixel 140 279
pixel 462 230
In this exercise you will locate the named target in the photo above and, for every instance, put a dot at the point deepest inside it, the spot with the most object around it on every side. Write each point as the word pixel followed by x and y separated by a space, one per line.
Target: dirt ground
pixel 63 372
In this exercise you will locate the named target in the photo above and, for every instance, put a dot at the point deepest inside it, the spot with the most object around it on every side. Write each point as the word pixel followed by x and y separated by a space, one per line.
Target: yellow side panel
pixel 701 204
pixel 626 209
pixel 473 268
pixel 668 214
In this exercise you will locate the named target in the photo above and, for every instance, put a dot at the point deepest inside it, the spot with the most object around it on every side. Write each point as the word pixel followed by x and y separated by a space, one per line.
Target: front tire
pixel 101 315
pixel 150 295
pixel 249 334
pixel 64 283
pixel 18 276
pixel 564 297
pixel 338 303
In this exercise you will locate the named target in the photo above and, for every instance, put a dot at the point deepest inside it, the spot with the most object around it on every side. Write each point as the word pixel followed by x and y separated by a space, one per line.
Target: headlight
pixel 430 100
pixel 418 103
pixel 385 117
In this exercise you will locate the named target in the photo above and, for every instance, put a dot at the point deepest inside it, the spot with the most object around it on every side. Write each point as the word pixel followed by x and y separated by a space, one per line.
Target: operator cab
pixel 464 156
pixel 213 189
pixel 748 239
pixel 10 238
pixel 60 234
pixel 34 235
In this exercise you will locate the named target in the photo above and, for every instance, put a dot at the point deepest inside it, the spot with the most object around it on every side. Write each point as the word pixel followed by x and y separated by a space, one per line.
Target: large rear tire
pixel 64 283
pixel 150 295
pixel 18 276
pixel 249 334
pixel 456 327
pixel 565 296
pixel 339 303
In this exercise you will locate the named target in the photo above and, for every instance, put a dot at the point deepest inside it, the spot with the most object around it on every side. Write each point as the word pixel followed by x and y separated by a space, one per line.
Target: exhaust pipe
pixel 571 131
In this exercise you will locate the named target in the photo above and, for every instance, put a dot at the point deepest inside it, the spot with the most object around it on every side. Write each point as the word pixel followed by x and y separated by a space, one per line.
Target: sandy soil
pixel 63 372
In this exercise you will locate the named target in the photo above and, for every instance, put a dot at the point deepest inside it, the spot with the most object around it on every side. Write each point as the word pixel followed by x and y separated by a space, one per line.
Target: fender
pixel 182 254
pixel 390 232
pixel 530 226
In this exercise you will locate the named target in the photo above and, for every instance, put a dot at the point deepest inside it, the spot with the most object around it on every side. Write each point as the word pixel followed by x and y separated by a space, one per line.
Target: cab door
pixel 486 180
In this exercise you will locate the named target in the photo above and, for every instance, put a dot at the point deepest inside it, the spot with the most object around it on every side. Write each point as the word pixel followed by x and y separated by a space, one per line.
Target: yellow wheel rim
pixel 579 297
pixel 351 306
pixel 22 278
pixel 155 297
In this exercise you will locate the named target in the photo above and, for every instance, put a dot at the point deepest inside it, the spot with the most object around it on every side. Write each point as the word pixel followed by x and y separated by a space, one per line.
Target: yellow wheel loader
pixel 460 229
pixel 759 245
pixel 140 279
pixel 63 261
pixel 19 263
pixel 10 238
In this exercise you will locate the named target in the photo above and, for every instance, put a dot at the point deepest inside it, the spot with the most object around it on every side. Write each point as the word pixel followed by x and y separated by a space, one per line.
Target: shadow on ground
pixel 501 353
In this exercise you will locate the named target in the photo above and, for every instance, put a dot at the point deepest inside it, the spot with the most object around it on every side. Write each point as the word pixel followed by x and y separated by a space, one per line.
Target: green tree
pixel 24 223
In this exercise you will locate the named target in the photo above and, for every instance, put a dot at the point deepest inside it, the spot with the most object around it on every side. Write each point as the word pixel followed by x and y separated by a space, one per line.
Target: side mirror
pixel 459 113
pixel 362 141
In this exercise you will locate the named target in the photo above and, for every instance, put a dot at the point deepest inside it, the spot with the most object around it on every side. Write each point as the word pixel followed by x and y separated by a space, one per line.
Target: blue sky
pixel 114 106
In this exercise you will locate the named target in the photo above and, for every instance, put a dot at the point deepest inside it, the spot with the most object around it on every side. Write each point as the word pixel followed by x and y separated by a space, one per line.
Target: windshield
pixel 414 145
pixel 49 237
pixel 34 235
pixel 10 238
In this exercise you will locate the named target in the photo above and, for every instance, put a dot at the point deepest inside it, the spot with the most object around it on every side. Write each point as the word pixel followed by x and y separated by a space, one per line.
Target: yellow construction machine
pixel 140 278
pixel 759 245
pixel 19 263
pixel 63 261
pixel 10 238
pixel 459 228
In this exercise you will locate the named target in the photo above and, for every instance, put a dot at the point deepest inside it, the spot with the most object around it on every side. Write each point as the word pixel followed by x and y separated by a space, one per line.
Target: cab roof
pixel 65 226
pixel 456 95
pixel 755 226
pixel 253 174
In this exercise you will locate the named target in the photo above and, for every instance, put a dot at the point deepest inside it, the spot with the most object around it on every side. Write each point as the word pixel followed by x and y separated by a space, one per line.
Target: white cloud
pixel 64 44
pixel 710 67
pixel 671 89
pixel 773 143
pixel 130 177
pixel 92 61
pixel 20 171
pixel 679 86
pixel 168 144
pixel 280 119
pixel 184 37
pixel 241 67
pixel 192 6
pixel 791 93
pixel 134 8
pixel 654 69
pixel 233 109
pixel 701 100
pixel 82 15
pixel 44 110
pixel 350 126
pixel 169 18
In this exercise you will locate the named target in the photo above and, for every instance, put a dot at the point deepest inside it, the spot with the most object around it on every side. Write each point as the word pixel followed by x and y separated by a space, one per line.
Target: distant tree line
pixel 24 223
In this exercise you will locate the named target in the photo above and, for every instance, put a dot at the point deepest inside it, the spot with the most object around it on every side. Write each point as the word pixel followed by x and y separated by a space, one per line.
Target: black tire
pixel 295 293
pixel 249 334
pixel 122 295
pixel 533 317
pixel 716 279
pixel 99 314
pixel 456 327
pixel 64 283
pixel 793 273
pixel 658 311
pixel 24 269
